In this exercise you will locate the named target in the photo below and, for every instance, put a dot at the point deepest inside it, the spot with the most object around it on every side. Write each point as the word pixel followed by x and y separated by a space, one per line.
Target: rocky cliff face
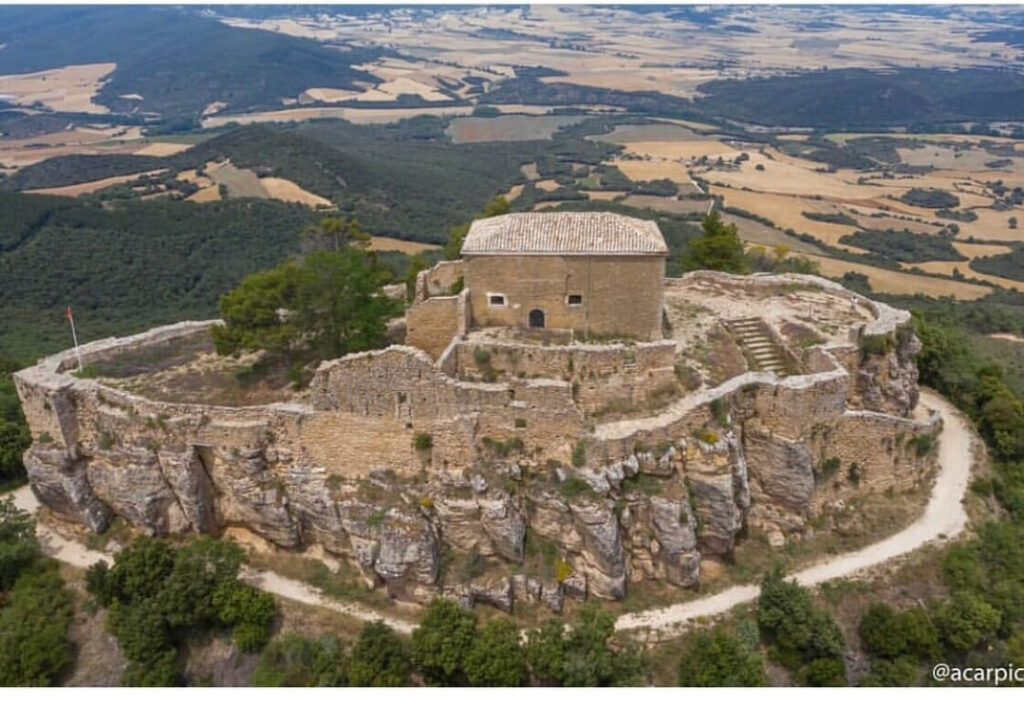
pixel 651 516
pixel 887 382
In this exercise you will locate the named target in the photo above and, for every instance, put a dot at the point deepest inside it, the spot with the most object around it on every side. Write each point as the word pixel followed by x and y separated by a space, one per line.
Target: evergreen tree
pixel 719 247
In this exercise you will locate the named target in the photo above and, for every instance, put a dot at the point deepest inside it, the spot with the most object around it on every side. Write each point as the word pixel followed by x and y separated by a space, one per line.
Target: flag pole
pixel 74 336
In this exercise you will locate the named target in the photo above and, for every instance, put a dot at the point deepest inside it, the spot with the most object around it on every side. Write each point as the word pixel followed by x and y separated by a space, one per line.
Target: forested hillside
pixel 128 268
pixel 843 98
pixel 177 60
pixel 406 180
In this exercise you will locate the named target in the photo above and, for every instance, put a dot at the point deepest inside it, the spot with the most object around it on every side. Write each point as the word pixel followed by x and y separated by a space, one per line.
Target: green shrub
pixel 579 454
pixel 574 487
pixel 829 467
pixel 875 345
pixel 34 623
pixel 378 658
pixel 716 658
pixel 293 660
pixel 250 611
pixel 520 422
pixel 422 442
pixel 105 442
pixel 853 473
pixel 18 546
pixel 921 444
pixel 800 635
pixel 439 646
pixel 481 356
pixel 496 657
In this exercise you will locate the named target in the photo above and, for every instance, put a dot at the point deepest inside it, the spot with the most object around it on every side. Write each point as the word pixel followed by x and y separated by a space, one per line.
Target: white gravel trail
pixel 943 519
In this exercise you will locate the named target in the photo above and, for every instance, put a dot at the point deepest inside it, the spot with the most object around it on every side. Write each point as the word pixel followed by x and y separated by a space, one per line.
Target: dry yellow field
pixel 79 141
pixel 945 158
pixel 670 205
pixel 201 181
pixel 786 213
pixel 897 283
pixel 286 191
pixel 601 195
pixel 647 170
pixel 547 185
pixel 680 149
pixel 513 192
pixel 162 149
pixel 980 250
pixel 947 268
pixel 784 175
pixel 206 194
pixel 384 243
pixel 328 95
pixel 362 116
pixel 77 190
pixel 992 225
pixel 894 222
pixel 69 88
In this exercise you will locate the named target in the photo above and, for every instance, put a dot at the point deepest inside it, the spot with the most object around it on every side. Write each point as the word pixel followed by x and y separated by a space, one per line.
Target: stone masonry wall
pixel 438 281
pixel 621 295
pixel 644 498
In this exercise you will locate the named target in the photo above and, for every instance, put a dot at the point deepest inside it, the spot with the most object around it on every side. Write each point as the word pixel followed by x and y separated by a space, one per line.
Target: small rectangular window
pixel 575 299
pixel 496 300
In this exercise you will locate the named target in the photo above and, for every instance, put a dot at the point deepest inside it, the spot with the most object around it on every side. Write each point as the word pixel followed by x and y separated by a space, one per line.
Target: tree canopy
pixel 330 303
pixel 719 247
pixel 159 595
pixel 378 658
pixel 717 658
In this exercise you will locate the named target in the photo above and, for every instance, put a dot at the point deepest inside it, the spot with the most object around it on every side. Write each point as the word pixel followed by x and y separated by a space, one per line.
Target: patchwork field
pixel 285 191
pixel 162 149
pixel 507 128
pixel 77 141
pixel 887 281
pixel 384 243
pixel 69 88
pixel 77 190
pixel 239 182
pixel 646 170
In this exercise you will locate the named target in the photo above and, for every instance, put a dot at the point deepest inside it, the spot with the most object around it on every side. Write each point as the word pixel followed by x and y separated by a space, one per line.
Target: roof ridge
pixel 563 233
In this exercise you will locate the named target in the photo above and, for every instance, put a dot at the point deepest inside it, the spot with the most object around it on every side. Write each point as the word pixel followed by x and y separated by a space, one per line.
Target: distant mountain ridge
pixel 178 60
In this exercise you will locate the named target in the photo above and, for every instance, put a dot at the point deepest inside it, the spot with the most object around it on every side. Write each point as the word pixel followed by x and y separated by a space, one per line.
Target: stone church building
pixel 596 274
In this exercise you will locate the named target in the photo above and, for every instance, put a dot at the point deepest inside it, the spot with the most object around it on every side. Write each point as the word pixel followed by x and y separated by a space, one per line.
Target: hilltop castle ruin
pixel 559 410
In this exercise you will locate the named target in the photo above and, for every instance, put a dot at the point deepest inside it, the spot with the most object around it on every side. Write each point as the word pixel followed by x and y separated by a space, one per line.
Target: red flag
pixel 68 313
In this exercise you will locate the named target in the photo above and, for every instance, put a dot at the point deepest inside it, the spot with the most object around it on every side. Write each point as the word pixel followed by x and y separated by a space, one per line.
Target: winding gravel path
pixel 76 554
pixel 944 518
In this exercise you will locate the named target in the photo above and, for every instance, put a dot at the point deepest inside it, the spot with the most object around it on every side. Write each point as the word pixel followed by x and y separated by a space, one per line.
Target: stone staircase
pixel 762 351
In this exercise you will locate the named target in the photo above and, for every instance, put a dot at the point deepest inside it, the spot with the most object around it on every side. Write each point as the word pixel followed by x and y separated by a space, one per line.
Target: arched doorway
pixel 537 319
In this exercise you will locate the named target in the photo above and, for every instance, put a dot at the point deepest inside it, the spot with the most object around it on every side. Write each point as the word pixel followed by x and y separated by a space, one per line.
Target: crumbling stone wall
pixel 438 281
pixel 601 375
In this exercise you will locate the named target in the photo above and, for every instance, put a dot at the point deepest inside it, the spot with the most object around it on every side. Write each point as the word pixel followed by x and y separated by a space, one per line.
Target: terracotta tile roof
pixel 599 233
